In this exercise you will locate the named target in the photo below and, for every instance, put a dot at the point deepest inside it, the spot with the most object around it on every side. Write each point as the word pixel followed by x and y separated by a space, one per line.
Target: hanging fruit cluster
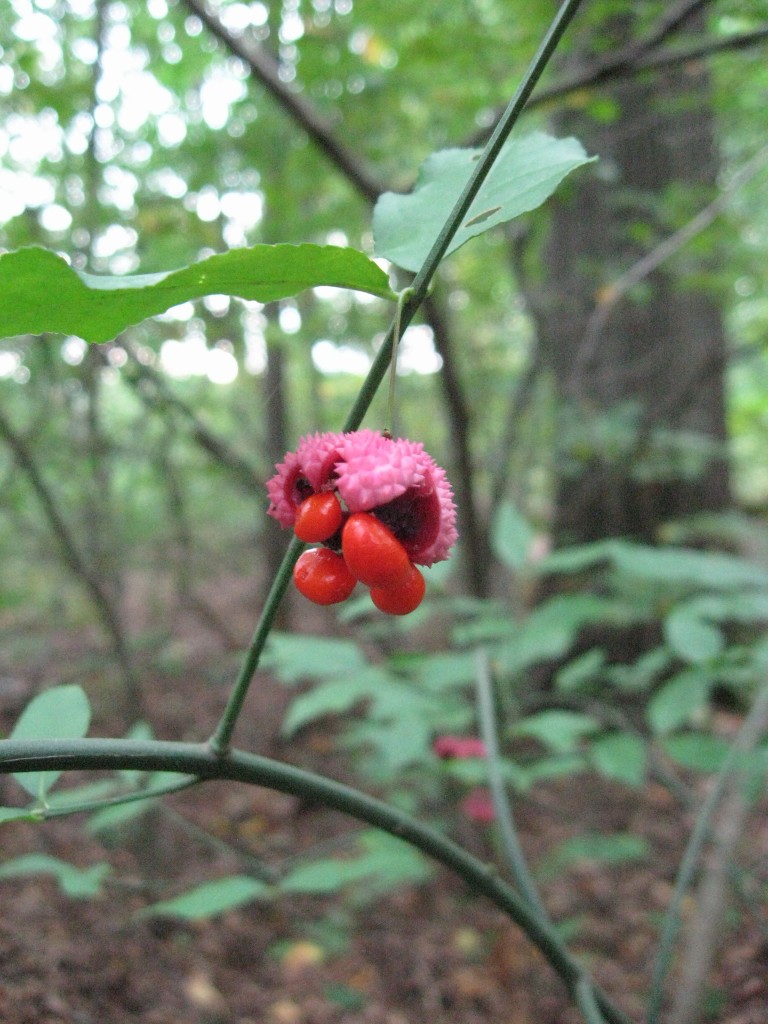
pixel 378 506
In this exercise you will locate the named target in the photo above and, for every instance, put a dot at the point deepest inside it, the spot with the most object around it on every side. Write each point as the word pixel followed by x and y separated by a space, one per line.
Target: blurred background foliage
pixel 594 377
pixel 140 137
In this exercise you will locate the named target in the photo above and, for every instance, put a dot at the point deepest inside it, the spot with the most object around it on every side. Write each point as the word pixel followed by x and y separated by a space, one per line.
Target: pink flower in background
pixel 458 747
pixel 477 805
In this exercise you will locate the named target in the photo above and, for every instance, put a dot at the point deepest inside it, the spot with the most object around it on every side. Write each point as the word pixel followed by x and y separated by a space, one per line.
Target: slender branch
pixel 584 996
pixel 237 766
pixel 417 292
pixel 61 810
pixel 652 260
pixel 265 69
pixel 474 539
pixel 584 993
pixel 72 555
pixel 705 930
pixel 635 60
pixel 501 804
pixel 215 446
pixel 749 734
pixel 222 737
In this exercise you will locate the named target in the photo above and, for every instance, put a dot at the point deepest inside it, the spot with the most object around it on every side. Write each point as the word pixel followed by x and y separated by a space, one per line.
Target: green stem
pixel 402 298
pixel 746 738
pixel 91 806
pixel 421 283
pixel 221 739
pixel 585 999
pixel 237 766
pixel 501 805
pixel 409 302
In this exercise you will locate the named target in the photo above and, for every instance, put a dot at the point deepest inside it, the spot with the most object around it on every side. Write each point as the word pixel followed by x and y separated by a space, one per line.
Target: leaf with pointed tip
pixel 526 172
pixel 79 883
pixel 42 293
pixel 62 712
pixel 210 898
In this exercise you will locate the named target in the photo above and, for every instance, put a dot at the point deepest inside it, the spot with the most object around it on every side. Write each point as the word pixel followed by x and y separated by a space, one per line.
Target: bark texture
pixel 642 429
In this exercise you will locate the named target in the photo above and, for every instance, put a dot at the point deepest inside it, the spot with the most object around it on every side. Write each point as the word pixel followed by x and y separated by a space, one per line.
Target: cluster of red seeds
pixel 369 554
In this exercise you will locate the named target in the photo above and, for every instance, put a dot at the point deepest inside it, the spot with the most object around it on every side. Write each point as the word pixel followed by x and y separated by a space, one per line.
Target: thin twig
pixel 635 61
pixel 222 736
pixel 265 68
pixel 501 803
pixel 652 260
pixel 72 556
pixel 238 766
pixel 219 449
pixel 749 734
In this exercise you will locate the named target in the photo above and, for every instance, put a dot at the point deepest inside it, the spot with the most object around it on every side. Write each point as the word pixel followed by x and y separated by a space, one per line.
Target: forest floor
pixel 431 952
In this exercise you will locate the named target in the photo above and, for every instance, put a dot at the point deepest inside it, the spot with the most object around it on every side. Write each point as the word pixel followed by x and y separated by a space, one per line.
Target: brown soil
pixel 428 953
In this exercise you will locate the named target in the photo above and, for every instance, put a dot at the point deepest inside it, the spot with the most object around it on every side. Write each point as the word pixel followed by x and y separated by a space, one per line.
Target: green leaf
pixel 294 658
pixel 581 671
pixel 577 558
pixel 708 569
pixel 690 637
pixel 450 670
pixel 209 898
pixel 42 293
pixel 550 630
pixel 17 814
pixel 391 861
pixel 678 700
pixel 618 848
pixel 328 698
pixel 511 536
pixel 670 566
pixel 620 756
pixel 80 883
pixel 561 731
pixel 527 171
pixel 63 712
pixel 699 751
pixel 545 768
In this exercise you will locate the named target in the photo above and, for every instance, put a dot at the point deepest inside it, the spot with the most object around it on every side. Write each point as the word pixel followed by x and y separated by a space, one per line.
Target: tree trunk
pixel 642 429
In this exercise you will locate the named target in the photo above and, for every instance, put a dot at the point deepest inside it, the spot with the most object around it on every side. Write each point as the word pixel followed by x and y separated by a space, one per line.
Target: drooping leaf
pixel 712 570
pixel 616 848
pixel 210 898
pixel 581 671
pixel 41 292
pixel 700 751
pixel 80 883
pixel 450 670
pixel 690 636
pixel 679 699
pixel 383 860
pixel 527 171
pixel 511 536
pixel 556 767
pixel 330 697
pixel 620 756
pixel 293 657
pixel 63 712
pixel 671 566
pixel 561 731
pixel 550 630
pixel 17 814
